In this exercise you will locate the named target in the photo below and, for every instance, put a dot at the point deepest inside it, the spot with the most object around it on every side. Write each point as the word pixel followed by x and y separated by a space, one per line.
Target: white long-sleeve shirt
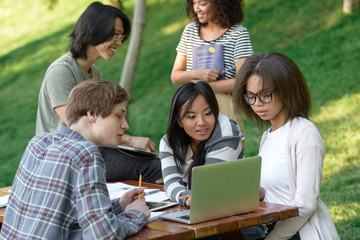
pixel 305 156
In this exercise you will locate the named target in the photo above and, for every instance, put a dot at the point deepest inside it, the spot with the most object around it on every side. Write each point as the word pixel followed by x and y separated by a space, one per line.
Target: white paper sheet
pixel 4 200
pixel 155 215
pixel 117 190
pixel 156 197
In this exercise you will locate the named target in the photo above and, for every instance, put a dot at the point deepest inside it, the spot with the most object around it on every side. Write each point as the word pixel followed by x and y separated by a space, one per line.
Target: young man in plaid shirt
pixel 59 191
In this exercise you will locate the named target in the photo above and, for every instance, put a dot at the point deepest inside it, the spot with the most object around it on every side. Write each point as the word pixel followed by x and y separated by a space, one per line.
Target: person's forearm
pixel 171 175
pixel 60 111
pixel 223 86
pixel 143 143
pixel 180 77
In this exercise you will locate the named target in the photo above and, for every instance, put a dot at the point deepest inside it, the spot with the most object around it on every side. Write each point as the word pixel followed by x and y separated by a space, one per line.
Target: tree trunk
pixel 350 5
pixel 133 53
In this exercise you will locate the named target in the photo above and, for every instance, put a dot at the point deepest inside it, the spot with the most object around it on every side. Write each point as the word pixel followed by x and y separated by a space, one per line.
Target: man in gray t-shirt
pixel 62 75
pixel 100 30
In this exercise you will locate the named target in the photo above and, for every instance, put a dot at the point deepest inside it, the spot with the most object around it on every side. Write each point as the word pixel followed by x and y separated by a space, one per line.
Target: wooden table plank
pixel 4 191
pixel 176 230
pixel 266 215
pixel 147 233
pixel 214 227
pixel 148 185
pixel 2 214
pixel 285 212
pixel 225 225
pixel 246 220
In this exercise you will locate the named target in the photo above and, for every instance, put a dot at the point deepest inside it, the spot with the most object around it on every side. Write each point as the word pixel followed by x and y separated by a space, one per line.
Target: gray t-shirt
pixel 60 78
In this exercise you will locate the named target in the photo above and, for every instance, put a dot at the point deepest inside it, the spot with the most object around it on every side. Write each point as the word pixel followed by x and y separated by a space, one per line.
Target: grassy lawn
pixel 315 34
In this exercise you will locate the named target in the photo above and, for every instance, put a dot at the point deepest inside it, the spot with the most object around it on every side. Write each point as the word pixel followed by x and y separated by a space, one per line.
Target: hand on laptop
pixel 261 194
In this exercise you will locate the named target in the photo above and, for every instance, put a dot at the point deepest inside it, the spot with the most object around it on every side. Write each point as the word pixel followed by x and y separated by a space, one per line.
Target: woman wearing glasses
pixel 271 89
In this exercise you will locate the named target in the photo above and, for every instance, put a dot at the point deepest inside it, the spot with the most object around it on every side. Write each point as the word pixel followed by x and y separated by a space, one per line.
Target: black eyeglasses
pixel 119 37
pixel 250 98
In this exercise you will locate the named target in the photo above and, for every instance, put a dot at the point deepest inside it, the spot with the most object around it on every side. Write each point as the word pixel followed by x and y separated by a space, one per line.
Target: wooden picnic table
pixel 226 227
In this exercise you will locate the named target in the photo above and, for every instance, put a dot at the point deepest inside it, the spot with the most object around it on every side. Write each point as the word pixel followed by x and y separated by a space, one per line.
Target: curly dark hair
pixel 228 12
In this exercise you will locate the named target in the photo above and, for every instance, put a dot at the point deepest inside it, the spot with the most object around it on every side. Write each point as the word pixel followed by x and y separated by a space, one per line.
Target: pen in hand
pixel 229 69
pixel 185 196
pixel 140 179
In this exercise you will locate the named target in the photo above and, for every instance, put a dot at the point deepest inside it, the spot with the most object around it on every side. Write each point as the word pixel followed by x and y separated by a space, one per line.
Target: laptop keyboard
pixel 185 217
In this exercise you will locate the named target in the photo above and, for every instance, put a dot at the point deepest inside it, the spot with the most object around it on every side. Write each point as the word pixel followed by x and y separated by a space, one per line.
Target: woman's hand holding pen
pixel 188 200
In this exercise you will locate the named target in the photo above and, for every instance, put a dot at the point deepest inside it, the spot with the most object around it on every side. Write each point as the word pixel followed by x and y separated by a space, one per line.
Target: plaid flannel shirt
pixel 59 192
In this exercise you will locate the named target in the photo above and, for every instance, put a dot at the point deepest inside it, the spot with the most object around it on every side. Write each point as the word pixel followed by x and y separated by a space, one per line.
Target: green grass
pixel 315 34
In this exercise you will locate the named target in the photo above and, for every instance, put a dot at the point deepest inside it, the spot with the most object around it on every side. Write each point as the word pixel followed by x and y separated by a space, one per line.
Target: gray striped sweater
pixel 223 145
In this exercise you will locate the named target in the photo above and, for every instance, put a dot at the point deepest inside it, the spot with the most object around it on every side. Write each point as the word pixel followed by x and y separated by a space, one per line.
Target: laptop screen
pixel 224 189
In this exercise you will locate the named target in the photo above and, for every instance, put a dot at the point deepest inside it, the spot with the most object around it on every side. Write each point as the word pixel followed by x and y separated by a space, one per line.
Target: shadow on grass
pixel 330 54
pixel 31 57
pixel 317 36
pixel 341 193
pixel 21 78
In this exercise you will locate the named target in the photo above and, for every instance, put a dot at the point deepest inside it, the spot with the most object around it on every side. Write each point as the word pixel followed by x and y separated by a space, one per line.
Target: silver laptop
pixel 222 190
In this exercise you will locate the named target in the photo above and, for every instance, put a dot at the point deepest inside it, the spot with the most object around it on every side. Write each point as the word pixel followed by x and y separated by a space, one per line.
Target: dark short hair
pixel 178 139
pixel 228 12
pixel 279 73
pixel 96 96
pixel 95 26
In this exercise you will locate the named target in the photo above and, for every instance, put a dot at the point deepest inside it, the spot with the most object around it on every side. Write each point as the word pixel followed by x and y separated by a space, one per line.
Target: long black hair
pixel 95 26
pixel 178 139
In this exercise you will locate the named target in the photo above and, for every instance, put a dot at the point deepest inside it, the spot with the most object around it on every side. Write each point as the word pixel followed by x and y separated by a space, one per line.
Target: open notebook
pixel 222 190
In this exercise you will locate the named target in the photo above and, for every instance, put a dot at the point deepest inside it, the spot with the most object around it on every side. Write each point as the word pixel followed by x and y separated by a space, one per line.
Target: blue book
pixel 208 56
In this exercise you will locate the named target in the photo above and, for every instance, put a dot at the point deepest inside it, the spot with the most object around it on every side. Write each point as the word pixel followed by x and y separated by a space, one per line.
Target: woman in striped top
pixel 196 135
pixel 216 22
